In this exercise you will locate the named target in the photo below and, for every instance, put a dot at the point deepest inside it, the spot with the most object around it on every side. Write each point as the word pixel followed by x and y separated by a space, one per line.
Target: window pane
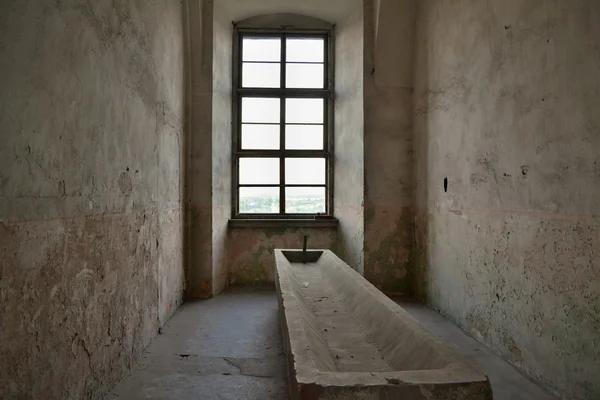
pixel 259 200
pixel 305 200
pixel 304 171
pixel 304 111
pixel 262 110
pixel 259 171
pixel 261 75
pixel 304 137
pixel 309 76
pixel 305 50
pixel 261 49
pixel 260 137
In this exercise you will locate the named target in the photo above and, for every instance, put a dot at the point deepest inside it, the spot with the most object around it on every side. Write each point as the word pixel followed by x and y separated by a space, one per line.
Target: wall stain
pixel 389 248
pixel 251 258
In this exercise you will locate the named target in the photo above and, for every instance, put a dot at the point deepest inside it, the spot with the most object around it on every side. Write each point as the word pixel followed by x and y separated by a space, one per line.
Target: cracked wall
pixel 505 107
pixel 91 110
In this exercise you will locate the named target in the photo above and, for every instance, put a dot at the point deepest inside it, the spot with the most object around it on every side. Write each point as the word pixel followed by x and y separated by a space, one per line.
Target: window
pixel 282 124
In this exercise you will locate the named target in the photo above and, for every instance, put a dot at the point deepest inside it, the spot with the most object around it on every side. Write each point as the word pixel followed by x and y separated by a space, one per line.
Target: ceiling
pixel 332 11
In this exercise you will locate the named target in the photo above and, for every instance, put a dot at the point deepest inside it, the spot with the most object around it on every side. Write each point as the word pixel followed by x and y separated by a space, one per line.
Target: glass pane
pixel 304 171
pixel 309 76
pixel 261 110
pixel 261 49
pixel 305 200
pixel 305 50
pixel 259 171
pixel 260 137
pixel 261 75
pixel 304 137
pixel 301 111
pixel 259 200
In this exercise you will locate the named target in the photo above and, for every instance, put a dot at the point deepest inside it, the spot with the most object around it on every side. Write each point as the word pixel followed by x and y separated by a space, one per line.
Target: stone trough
pixel 344 339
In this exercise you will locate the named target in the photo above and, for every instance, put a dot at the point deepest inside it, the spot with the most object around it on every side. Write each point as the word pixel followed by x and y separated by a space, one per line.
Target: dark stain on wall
pixel 389 248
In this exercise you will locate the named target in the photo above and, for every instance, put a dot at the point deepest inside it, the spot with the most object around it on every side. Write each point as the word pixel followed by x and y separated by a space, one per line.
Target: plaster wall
pixel 388 144
pixel 221 145
pixel 249 251
pixel 506 104
pixel 252 260
pixel 91 116
pixel 333 11
pixel 349 175
pixel 394 42
pixel 199 180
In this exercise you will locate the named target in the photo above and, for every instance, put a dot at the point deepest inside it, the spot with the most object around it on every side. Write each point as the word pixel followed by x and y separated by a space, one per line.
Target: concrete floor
pixel 229 347
pixel 507 382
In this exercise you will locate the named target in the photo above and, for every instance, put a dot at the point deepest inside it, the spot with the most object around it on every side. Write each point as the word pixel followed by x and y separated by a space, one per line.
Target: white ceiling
pixel 332 11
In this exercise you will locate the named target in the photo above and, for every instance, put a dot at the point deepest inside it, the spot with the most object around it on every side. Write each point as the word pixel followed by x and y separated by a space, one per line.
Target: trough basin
pixel 344 339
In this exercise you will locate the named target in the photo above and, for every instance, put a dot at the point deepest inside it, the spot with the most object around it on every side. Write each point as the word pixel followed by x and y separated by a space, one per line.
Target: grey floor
pixel 507 382
pixel 229 347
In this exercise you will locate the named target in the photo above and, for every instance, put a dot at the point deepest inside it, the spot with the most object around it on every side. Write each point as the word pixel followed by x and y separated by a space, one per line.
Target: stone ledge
pixel 283 223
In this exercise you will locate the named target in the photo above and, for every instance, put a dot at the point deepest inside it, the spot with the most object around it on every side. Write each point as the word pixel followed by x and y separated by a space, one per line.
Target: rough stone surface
pixel 388 145
pixel 506 100
pixel 250 251
pixel 224 348
pixel 230 347
pixel 91 110
pixel 344 339
pixel 508 383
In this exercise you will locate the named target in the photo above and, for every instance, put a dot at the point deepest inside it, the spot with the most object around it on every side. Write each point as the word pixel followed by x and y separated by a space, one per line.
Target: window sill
pixel 283 223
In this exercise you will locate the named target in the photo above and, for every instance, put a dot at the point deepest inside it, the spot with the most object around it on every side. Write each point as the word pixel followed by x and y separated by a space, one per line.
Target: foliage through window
pixel 282 114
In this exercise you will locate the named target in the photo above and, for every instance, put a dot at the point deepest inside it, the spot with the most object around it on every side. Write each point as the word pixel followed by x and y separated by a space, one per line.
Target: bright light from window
pixel 270 180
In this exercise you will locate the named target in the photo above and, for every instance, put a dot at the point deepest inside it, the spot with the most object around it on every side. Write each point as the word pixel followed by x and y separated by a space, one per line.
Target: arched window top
pixel 283 112
pixel 283 22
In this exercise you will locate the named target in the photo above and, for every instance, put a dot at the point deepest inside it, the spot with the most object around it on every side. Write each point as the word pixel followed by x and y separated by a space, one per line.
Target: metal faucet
pixel 304 249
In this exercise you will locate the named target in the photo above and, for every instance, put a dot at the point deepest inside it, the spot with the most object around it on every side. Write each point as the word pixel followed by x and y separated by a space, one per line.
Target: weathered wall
pixel 91 114
pixel 249 250
pixel 388 145
pixel 221 144
pixel 251 259
pixel 330 10
pixel 348 139
pixel 507 94
pixel 199 179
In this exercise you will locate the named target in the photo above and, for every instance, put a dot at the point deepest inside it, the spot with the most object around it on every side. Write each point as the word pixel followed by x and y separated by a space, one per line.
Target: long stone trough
pixel 344 339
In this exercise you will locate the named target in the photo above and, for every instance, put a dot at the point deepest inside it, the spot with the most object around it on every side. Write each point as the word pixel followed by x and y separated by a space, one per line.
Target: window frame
pixel 327 94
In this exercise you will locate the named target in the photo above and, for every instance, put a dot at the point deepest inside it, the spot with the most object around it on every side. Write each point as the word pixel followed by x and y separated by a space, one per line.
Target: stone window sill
pixel 283 223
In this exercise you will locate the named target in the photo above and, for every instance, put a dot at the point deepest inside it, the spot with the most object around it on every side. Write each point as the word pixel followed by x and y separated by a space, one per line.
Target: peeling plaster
pixel 504 108
pixel 251 259
pixel 90 174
